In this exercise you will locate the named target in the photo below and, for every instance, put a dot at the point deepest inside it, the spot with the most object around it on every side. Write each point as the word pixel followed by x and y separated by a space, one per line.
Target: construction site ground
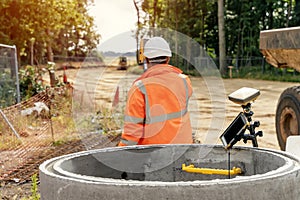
pixel 264 107
pixel 202 108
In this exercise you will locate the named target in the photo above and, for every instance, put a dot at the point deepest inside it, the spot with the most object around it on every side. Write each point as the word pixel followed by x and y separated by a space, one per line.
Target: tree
pixel 204 20
pixel 59 25
pixel 138 5
pixel 78 36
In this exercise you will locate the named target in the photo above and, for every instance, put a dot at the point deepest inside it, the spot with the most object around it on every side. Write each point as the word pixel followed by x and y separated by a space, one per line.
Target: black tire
pixel 288 115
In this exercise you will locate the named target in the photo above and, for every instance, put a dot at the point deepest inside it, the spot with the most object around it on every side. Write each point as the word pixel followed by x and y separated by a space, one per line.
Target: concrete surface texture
pixel 154 172
pixel 292 145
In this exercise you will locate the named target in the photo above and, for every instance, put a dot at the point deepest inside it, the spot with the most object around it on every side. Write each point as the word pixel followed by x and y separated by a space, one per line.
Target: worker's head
pixel 157 51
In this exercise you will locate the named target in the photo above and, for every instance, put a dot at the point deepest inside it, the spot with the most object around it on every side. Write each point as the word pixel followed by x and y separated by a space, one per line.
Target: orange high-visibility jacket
pixel 157 108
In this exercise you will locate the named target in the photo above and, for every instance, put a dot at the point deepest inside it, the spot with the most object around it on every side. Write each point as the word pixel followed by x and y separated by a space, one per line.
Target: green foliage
pixel 62 119
pixel 7 90
pixel 30 82
pixel 61 27
pixel 270 73
pixel 136 70
pixel 34 189
pixel 8 142
pixel 58 143
pixel 97 55
pixel 243 21
pixel 104 121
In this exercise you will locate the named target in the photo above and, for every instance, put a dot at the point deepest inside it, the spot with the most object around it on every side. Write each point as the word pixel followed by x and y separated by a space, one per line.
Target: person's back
pixel 156 110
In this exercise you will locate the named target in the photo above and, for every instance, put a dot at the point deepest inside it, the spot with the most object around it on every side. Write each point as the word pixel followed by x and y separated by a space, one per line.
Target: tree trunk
pixel 154 12
pixel 31 51
pixel 138 30
pixel 49 47
pixel 222 47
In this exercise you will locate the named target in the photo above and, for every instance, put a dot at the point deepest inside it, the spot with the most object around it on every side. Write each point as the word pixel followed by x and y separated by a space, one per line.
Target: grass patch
pixel 104 121
pixel 9 142
pixel 35 195
pixel 36 129
pixel 136 70
pixel 58 142
pixel 270 73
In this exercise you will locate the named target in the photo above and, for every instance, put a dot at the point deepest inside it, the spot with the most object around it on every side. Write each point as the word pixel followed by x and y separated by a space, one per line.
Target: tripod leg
pixel 254 141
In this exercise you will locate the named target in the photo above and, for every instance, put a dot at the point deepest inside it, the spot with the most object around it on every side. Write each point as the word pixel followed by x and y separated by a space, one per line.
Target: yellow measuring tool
pixel 192 169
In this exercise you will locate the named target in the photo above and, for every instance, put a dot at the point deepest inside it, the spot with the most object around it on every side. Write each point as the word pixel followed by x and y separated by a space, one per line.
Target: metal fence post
pixel 9 124
pixel 17 75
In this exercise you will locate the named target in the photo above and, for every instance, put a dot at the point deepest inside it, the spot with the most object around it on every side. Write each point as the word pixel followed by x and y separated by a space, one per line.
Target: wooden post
pixel 230 71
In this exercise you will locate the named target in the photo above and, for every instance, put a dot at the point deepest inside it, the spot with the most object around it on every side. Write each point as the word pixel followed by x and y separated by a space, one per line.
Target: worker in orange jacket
pixel 157 107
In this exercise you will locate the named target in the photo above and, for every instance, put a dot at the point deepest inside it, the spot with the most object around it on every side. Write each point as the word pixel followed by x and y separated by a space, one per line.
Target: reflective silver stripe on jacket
pixel 160 118
pixel 142 88
pixel 182 76
pixel 128 142
pixel 135 120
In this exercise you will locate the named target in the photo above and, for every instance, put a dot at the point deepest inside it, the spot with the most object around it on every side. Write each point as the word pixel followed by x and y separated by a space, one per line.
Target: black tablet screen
pixel 234 129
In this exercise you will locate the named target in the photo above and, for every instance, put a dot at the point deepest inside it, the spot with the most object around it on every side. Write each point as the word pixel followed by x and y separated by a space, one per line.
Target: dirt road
pixel 264 108
pixel 211 111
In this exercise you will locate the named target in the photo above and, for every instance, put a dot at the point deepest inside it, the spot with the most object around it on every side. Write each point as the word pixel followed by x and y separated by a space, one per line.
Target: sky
pixel 115 20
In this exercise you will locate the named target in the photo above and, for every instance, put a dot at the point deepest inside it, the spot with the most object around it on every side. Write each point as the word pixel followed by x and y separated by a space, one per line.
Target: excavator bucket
pixel 281 47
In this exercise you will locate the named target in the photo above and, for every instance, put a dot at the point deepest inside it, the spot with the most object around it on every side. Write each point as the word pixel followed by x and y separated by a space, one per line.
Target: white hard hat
pixel 156 47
